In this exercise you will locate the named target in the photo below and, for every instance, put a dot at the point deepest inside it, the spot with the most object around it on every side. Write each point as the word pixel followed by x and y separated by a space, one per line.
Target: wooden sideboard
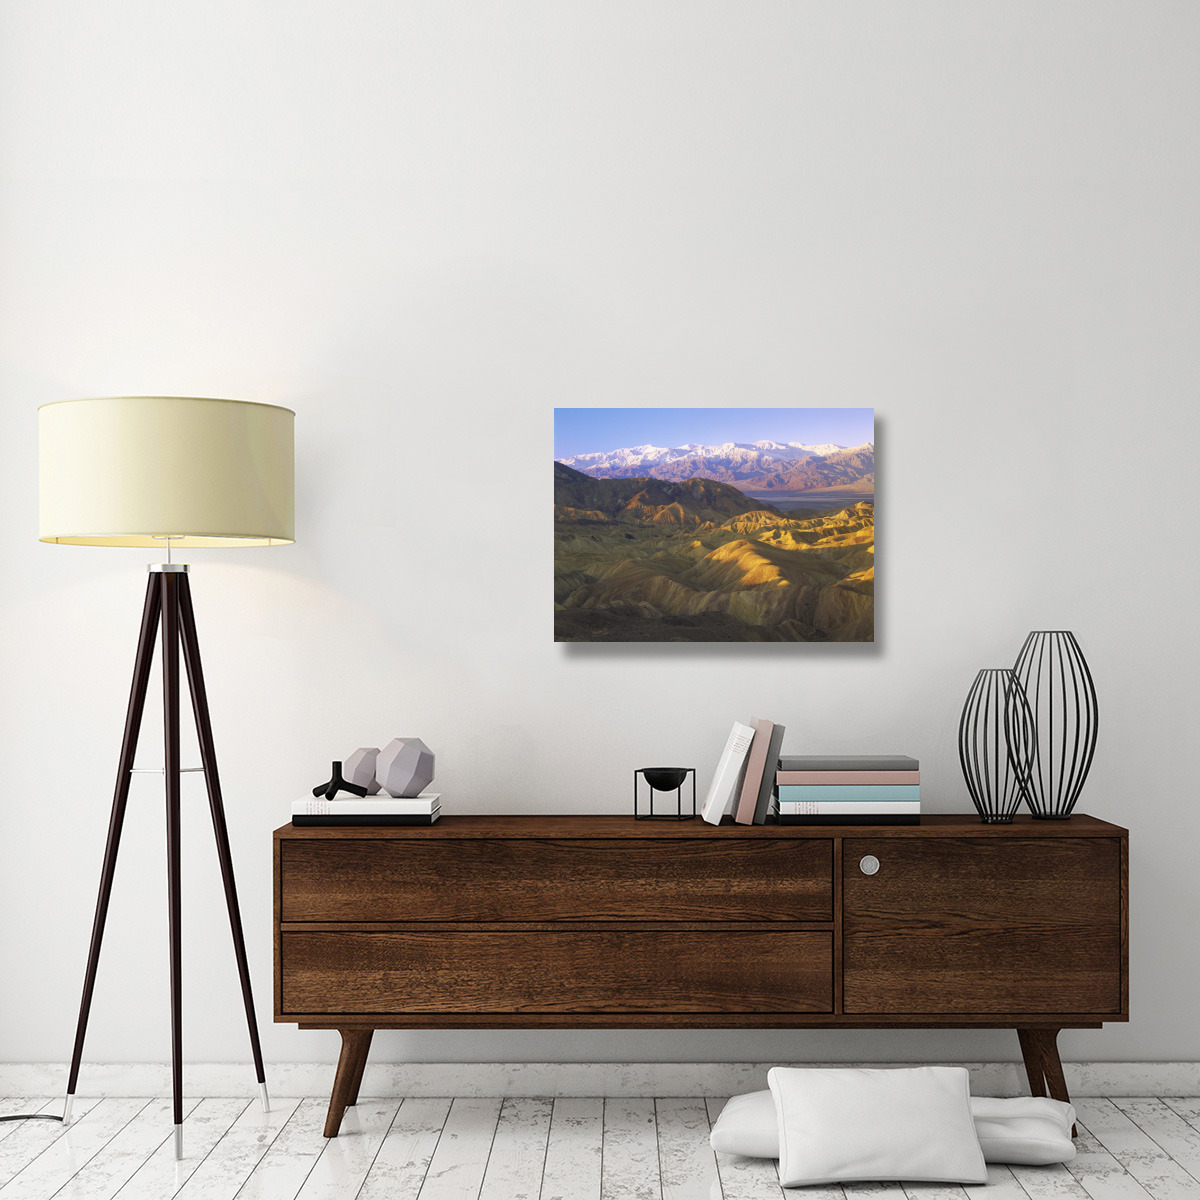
pixel 608 922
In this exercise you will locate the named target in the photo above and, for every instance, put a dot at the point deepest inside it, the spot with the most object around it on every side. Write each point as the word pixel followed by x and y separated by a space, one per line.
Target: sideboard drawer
pixel 580 970
pixel 751 879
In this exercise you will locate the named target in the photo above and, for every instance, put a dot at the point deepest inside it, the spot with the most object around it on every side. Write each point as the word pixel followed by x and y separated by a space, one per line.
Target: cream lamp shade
pixel 137 470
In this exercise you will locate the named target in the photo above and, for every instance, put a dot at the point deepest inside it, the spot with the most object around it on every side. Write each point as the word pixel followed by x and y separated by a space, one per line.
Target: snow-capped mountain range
pixel 765 465
pixel 628 461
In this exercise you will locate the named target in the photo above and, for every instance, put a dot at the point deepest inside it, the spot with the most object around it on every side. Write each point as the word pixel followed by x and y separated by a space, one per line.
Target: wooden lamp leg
pixel 169 649
pixel 133 724
pixel 208 759
pixel 168 611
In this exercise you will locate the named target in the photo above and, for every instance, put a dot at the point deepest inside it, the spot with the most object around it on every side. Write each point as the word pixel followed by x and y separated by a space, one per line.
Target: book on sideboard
pixel 821 778
pixel 807 764
pixel 723 791
pixel 884 808
pixel 301 821
pixel 847 819
pixel 367 810
pixel 849 793
pixel 857 789
pixel 765 807
pixel 756 766
pixel 758 784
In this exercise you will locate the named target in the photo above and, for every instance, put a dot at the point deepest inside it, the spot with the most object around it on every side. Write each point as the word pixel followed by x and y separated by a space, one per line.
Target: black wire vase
pixel 1055 676
pixel 995 744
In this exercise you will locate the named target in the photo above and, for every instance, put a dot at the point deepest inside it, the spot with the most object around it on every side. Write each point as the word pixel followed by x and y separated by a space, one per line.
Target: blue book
pixel 852 793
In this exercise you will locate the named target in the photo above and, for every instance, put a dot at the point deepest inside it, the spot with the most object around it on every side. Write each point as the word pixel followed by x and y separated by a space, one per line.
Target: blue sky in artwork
pixel 583 430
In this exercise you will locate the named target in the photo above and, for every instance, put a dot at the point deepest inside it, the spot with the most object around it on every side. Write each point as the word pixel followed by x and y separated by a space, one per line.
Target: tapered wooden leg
pixel 1031 1053
pixel 1043 1066
pixel 169 649
pixel 358 1074
pixel 355 1044
pixel 133 725
pixel 208 759
pixel 1056 1082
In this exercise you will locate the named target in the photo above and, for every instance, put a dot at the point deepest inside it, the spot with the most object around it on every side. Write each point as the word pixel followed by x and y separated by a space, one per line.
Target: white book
pixel 723 790
pixel 844 808
pixel 381 806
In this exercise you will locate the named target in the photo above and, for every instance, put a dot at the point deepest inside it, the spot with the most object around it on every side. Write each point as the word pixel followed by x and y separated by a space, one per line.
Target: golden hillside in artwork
pixel 653 560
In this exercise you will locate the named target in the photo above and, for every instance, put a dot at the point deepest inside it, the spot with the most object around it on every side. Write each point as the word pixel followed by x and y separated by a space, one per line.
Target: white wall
pixel 423 225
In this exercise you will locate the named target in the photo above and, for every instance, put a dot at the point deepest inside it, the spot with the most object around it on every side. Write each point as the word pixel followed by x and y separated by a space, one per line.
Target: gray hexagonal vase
pixel 359 768
pixel 404 767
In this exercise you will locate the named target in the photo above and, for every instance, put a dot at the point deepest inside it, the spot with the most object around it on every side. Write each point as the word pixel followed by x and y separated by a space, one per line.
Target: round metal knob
pixel 868 864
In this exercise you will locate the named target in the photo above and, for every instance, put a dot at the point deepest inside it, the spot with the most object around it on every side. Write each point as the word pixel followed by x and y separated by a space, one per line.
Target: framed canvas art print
pixel 714 525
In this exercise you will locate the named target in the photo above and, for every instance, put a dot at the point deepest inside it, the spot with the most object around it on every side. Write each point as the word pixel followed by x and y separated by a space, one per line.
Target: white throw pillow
pixel 748 1125
pixel 852 1123
pixel 1031 1130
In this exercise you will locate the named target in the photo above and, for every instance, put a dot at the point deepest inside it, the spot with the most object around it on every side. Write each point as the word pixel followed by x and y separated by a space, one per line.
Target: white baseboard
pixel 549 1079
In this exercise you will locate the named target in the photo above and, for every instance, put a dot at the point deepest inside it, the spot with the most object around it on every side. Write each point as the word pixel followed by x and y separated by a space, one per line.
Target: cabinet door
pixel 982 925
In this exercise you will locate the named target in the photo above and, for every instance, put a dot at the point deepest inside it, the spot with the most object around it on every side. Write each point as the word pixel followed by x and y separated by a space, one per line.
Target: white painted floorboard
pixel 457 1167
pixel 108 1172
pixel 629 1170
pixel 518 1157
pixel 522 1149
pixel 1049 1183
pixel 575 1150
pixel 28 1139
pixel 64 1158
pixel 290 1158
pixel 399 1169
pixel 233 1159
pixel 687 1165
pixel 1146 1161
pixel 160 1177
pixel 342 1167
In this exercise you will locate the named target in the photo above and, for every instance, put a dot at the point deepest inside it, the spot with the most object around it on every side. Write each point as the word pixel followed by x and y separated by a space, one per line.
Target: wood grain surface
pixel 602 922
pixel 967 926
pixel 454 826
pixel 579 970
pixel 547 879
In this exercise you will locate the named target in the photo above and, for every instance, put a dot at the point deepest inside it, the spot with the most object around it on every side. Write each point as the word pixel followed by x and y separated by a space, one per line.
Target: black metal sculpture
pixel 1055 677
pixel 995 744
pixel 337 784
pixel 664 779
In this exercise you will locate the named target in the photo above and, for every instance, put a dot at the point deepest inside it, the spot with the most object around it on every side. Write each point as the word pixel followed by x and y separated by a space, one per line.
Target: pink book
pixel 756 764
pixel 857 777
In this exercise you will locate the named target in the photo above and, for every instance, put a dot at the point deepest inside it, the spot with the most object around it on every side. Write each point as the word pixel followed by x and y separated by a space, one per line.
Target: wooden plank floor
pixel 522 1149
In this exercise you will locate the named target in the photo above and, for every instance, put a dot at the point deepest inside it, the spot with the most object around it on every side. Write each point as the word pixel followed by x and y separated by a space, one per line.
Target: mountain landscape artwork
pixel 714 525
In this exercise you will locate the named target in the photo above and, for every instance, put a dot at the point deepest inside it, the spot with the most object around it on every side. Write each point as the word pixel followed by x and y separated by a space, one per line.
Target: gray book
pixel 767 786
pixel 848 762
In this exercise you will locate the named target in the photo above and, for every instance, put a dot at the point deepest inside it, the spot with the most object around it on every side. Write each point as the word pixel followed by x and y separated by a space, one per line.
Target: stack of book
pixel 855 789
pixel 744 784
pixel 367 810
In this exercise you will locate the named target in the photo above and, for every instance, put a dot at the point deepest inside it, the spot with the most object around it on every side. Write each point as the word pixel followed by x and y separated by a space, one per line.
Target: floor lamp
pixel 178 472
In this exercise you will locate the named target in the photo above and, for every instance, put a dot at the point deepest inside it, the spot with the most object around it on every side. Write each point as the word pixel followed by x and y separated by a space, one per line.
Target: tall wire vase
pixel 995 744
pixel 1052 670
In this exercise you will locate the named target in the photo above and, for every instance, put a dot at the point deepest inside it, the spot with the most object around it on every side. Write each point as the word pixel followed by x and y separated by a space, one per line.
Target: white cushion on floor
pixel 1031 1130
pixel 748 1125
pixel 843 1124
